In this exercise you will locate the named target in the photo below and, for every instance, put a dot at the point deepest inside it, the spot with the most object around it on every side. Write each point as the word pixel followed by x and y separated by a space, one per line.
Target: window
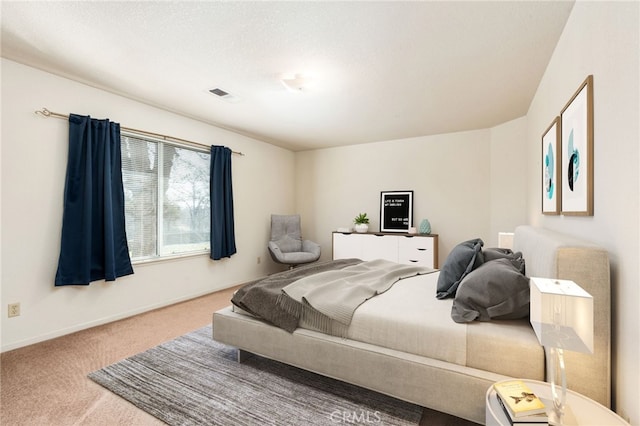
pixel 166 189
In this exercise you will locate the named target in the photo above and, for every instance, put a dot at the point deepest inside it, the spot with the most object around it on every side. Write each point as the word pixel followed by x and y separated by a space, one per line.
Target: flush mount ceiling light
pixel 295 83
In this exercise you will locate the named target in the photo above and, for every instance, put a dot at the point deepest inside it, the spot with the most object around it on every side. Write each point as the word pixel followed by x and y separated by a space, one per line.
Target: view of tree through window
pixel 166 190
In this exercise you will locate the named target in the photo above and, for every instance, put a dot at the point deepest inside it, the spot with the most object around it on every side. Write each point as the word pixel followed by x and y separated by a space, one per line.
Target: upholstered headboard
pixel 550 254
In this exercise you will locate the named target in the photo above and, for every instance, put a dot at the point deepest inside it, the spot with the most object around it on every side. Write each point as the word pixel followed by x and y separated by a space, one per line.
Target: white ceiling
pixel 381 70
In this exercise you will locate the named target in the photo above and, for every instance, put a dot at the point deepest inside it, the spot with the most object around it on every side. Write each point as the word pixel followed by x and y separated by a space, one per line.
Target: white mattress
pixel 409 318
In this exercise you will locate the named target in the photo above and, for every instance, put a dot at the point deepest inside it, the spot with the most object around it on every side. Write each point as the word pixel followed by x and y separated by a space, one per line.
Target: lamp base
pixel 558 380
pixel 554 419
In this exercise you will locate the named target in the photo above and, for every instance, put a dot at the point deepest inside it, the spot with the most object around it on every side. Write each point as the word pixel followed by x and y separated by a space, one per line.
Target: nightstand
pixel 579 410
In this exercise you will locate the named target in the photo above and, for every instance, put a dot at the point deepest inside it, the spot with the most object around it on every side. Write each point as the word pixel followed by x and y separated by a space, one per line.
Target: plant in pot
pixel 362 223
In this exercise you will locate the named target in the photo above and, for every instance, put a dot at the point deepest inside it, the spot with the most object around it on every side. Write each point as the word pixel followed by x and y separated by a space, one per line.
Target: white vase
pixel 361 227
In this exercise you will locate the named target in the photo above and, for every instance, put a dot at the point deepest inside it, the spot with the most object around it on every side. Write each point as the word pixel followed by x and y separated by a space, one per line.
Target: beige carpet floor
pixel 47 384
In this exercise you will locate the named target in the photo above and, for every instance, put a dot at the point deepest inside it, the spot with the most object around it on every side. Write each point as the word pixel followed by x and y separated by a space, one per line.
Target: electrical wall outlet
pixel 14 309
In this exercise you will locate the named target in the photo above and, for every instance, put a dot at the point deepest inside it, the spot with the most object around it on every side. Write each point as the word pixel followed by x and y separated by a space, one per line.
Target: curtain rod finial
pixel 44 112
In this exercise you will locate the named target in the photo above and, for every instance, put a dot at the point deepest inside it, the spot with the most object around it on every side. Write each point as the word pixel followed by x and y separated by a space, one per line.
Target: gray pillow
pixel 494 253
pixel 463 259
pixel 495 290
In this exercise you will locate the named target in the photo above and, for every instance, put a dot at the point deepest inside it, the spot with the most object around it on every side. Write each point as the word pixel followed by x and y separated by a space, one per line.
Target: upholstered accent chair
pixel 286 245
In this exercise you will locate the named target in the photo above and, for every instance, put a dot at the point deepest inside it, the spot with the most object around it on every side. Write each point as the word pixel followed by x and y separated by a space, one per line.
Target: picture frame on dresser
pixel 551 168
pixel 577 152
pixel 396 211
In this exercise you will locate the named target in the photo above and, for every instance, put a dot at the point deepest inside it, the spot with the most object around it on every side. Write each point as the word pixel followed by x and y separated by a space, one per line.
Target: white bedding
pixel 409 318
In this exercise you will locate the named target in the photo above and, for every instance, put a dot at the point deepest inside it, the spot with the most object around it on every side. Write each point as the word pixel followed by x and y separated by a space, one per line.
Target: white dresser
pixel 410 249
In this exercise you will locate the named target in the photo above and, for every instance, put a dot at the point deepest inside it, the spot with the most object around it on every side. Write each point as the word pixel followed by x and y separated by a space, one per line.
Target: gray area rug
pixel 194 380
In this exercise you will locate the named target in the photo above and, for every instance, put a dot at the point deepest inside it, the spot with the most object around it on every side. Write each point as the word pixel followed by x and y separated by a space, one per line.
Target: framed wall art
pixel 396 211
pixel 577 152
pixel 551 177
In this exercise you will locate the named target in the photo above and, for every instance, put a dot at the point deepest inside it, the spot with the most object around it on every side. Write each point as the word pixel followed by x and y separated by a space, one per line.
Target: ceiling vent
pixel 224 95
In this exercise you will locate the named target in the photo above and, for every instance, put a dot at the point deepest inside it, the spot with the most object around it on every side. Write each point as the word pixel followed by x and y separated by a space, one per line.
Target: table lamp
pixel 561 314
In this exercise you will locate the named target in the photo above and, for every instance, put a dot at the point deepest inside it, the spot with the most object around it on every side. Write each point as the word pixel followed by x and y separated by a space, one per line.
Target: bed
pixel 419 354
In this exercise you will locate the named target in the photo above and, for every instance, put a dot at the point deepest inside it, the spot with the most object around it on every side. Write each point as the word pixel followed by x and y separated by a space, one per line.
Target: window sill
pixel 169 258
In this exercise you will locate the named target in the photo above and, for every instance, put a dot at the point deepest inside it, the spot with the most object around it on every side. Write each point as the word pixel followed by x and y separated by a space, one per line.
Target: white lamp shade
pixel 505 240
pixel 295 83
pixel 562 314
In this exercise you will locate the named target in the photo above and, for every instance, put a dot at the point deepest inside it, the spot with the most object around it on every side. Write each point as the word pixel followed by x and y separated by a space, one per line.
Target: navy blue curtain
pixel 223 240
pixel 94 242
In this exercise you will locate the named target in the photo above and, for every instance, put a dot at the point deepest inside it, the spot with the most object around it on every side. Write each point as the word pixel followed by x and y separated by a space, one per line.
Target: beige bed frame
pixel 435 384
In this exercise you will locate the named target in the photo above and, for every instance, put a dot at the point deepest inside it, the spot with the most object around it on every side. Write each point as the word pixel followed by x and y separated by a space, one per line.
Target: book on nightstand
pixel 532 420
pixel 520 403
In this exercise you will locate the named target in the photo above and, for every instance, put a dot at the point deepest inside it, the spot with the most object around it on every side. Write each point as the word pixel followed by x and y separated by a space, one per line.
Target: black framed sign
pixel 396 211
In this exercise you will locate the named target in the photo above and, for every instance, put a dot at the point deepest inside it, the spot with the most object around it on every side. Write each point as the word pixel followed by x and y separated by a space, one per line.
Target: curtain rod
pixel 46 113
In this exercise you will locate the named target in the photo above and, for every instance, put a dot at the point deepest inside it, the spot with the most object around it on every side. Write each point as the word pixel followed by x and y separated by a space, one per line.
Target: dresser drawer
pixel 416 251
pixel 346 246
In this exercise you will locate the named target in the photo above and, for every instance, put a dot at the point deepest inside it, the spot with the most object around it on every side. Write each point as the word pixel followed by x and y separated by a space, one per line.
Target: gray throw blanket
pixel 260 297
pixel 327 300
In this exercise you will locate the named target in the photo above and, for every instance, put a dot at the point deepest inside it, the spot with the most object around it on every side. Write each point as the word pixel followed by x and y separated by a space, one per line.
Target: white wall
pixel 451 175
pixel 602 38
pixel 508 181
pixel 34 151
